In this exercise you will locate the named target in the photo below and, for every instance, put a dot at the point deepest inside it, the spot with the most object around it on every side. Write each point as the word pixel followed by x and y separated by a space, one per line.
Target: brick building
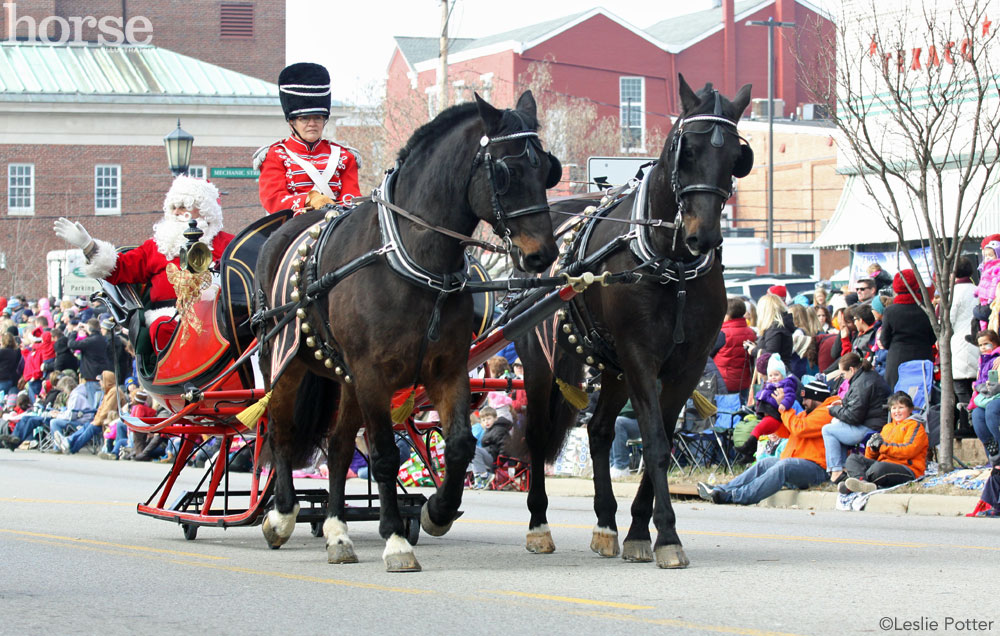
pixel 84 121
pixel 630 75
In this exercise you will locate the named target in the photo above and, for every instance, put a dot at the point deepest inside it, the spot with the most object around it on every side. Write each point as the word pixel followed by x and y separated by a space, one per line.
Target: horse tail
pixel 562 414
pixel 315 404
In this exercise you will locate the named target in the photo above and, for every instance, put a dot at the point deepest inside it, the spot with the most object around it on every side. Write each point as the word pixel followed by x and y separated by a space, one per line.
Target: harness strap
pixel 466 240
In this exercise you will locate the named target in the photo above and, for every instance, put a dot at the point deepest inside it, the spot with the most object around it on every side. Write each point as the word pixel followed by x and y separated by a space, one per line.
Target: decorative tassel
pixel 251 414
pixel 402 412
pixel 576 396
pixel 705 407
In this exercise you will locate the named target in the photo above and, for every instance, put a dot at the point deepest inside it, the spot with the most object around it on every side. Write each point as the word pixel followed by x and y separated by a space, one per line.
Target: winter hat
pixel 904 281
pixel 80 302
pixel 816 389
pixel 108 323
pixel 993 242
pixel 801 300
pixel 778 290
pixel 14 303
pixel 762 359
pixel 304 89
pixel 774 363
pixel 877 305
pixel 188 192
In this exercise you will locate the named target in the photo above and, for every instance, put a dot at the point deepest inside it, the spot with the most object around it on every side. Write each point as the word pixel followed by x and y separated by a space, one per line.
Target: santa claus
pixel 157 260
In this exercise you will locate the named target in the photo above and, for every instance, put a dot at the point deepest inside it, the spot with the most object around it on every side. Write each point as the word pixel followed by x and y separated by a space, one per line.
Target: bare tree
pixel 913 92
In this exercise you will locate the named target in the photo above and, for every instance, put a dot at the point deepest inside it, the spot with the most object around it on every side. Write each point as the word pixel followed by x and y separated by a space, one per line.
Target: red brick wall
pixel 173 28
pixel 64 186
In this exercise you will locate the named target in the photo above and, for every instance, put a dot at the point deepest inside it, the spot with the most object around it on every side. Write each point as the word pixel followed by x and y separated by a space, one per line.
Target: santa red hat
pixel 993 242
pixel 188 192
pixel 778 290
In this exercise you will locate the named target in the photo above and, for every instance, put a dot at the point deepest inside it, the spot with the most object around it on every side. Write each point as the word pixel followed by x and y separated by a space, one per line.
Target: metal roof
pixel 675 32
pixel 84 70
pixel 419 49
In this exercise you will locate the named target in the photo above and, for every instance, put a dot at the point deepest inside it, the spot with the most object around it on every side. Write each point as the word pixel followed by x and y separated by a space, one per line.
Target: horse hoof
pixel 340 553
pixel 274 540
pixel 604 542
pixel 540 541
pixel 636 551
pixel 278 527
pixel 398 555
pixel 671 557
pixel 429 526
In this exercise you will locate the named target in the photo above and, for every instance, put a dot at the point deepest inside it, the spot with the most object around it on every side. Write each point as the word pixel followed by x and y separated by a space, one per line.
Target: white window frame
pixel 486 82
pixel 639 106
pixel 193 169
pixel 108 210
pixel 21 209
pixel 432 100
pixel 801 251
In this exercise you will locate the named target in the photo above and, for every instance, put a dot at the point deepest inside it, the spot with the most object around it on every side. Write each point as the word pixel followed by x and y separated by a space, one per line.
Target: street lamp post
pixel 178 144
pixel 770 24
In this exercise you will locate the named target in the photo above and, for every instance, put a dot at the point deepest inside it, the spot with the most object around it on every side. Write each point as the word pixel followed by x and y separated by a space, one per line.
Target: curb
pixel 887 503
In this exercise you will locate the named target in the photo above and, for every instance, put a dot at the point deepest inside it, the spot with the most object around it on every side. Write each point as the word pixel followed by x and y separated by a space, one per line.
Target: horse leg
pixel 450 394
pixel 656 452
pixel 279 522
pixel 601 432
pixel 339 547
pixel 539 424
pixel 637 547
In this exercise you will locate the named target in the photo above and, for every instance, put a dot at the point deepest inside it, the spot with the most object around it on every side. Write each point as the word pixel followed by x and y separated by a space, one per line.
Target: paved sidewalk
pixel 890 503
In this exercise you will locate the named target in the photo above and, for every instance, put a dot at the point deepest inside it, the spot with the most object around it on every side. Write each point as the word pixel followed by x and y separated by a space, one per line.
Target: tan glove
pixel 316 199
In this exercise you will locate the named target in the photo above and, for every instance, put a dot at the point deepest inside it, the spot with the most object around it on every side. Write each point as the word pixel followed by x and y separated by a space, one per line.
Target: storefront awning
pixel 857 221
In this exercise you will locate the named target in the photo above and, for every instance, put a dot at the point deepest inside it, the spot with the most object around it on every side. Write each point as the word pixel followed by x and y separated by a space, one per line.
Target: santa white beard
pixel 168 233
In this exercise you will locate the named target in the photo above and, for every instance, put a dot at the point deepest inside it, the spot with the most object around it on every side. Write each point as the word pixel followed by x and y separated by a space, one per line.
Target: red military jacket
pixel 146 263
pixel 284 184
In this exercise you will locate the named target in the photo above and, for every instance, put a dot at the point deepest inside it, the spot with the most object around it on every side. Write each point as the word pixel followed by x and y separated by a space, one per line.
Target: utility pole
pixel 770 24
pixel 443 58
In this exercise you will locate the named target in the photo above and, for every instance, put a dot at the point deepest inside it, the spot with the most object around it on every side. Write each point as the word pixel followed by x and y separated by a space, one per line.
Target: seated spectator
pixel 106 414
pixel 985 405
pixel 51 405
pixel 895 456
pixel 11 363
pixel 626 428
pixel 800 465
pixel 493 443
pixel 907 333
pixel 768 409
pixel 732 359
pixel 77 411
pixel 861 413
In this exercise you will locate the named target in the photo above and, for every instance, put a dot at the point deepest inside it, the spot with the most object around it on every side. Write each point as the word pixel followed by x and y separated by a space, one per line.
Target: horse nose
pixel 692 243
pixel 537 261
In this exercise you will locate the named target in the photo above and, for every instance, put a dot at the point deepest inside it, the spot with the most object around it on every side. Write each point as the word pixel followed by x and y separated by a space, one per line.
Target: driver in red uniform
pixel 304 171
pixel 188 198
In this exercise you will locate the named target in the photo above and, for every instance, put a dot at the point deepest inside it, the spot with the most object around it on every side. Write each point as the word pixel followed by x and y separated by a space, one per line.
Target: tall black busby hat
pixel 304 89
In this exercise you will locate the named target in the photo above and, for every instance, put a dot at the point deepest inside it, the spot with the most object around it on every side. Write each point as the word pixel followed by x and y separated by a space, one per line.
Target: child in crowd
pixel 894 456
pixel 501 401
pixel 767 406
pixel 985 406
pixel 989 278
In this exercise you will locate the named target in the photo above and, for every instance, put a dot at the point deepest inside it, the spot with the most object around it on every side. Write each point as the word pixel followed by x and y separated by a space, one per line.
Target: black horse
pixel 649 339
pixel 380 304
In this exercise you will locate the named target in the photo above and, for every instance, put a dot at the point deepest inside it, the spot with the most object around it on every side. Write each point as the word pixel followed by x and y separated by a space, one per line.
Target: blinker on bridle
pixel 493 166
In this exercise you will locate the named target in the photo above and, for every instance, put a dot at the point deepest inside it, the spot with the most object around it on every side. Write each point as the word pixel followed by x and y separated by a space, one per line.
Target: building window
pixel 486 85
pixel 432 100
pixel 198 172
pixel 20 188
pixel 236 20
pixel 107 189
pixel 632 100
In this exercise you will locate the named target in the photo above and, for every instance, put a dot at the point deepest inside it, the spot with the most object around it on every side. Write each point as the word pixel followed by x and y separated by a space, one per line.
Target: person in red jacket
pixel 894 456
pixel 156 261
pixel 304 171
pixel 733 361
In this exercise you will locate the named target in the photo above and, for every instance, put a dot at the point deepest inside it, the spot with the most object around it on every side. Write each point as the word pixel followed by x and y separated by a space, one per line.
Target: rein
pixel 464 239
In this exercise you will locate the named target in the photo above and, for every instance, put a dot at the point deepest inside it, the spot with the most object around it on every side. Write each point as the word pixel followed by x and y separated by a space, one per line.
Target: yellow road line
pixel 572 599
pixel 670 622
pixel 65 501
pixel 108 544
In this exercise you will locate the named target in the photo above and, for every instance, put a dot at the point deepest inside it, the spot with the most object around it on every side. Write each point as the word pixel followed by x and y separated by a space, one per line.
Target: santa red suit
pixel 285 180
pixel 148 262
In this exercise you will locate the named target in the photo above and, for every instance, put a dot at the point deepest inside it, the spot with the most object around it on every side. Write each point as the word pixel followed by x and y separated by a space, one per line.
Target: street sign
pixel 233 173
pixel 616 170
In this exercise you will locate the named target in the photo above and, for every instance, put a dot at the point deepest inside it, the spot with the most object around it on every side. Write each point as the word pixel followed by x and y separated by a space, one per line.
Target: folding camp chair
pixel 916 377
pixel 511 474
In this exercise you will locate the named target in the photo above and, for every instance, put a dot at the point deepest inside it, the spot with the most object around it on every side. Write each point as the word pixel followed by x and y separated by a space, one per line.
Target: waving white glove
pixel 72 232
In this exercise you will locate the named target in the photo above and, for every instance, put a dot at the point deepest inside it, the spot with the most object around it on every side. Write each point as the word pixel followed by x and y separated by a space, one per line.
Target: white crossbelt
pixel 321 181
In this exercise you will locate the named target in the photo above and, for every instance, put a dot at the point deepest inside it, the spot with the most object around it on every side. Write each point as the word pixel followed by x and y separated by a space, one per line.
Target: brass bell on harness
pixel 303 249
pixel 294 295
pixel 567 328
pixel 297 265
pixel 300 313
pixel 600 365
pixel 314 232
pixel 562 314
pixel 590 359
pixel 311 342
pixel 579 349
pixel 328 363
pixel 339 371
pixel 572 340
pixel 318 354
pixel 348 379
pixel 306 328
pixel 294 280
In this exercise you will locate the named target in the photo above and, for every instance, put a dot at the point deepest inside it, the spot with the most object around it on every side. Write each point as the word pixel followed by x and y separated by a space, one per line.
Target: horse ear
pixel 491 116
pixel 526 103
pixel 689 101
pixel 742 100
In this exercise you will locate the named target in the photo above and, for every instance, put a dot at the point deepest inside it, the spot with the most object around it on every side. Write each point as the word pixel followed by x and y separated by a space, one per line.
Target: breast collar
pixel 400 262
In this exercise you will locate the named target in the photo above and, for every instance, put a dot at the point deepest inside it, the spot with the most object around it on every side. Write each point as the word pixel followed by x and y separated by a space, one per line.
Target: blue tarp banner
pixel 892 262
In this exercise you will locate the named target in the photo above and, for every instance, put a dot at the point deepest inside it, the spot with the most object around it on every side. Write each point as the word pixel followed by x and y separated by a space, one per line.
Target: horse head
pixel 703 154
pixel 509 191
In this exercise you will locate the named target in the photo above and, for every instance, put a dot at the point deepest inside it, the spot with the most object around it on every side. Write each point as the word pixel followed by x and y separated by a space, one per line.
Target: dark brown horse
pixel 380 304
pixel 649 339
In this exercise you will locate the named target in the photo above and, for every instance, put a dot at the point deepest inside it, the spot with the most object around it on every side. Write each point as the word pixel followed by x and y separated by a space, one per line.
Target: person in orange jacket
pixel 803 462
pixel 895 456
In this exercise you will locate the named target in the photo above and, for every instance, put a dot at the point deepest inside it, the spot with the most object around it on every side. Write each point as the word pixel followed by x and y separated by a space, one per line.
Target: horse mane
pixel 449 117
pixel 437 127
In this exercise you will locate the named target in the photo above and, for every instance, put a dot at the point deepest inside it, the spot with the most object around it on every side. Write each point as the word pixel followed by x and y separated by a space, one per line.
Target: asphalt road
pixel 75 558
